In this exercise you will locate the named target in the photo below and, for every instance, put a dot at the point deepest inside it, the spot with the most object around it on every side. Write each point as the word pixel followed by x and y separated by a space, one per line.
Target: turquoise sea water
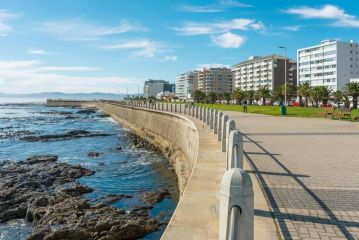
pixel 130 171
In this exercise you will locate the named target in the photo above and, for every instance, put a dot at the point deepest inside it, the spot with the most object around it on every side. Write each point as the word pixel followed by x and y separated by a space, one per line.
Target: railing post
pixel 180 107
pixel 211 123
pixel 208 117
pixel 200 113
pixel 196 114
pixel 230 126
pixel 219 130
pixel 236 206
pixel 185 109
pixel 235 150
pixel 171 107
pixel 204 114
pixel 223 129
pixel 215 121
pixel 166 106
pixel 175 107
pixel 194 111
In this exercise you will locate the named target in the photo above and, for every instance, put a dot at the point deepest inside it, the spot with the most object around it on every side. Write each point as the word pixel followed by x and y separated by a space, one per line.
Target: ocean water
pixel 130 171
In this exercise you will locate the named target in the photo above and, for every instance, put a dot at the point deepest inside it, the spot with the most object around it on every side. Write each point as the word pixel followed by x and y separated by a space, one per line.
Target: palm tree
pixel 315 94
pixel 257 97
pixel 220 97
pixel 278 94
pixel 239 95
pixel 227 97
pixel 353 91
pixel 337 97
pixel 264 92
pixel 291 90
pixel 199 96
pixel 250 96
pixel 212 96
pixel 346 100
pixel 324 92
pixel 304 91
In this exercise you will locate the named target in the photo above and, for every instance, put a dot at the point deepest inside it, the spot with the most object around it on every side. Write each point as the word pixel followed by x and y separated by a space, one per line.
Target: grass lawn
pixel 274 110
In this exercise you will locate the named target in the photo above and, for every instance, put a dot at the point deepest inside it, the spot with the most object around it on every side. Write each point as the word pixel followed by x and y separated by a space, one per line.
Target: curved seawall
pixel 175 135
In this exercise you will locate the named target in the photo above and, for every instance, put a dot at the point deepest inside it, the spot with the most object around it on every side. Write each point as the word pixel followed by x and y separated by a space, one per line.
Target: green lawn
pixel 274 110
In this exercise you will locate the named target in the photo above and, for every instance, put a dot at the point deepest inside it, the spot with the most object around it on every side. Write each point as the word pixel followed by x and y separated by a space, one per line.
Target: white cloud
pixel 195 28
pixel 201 9
pixel 80 30
pixel 170 58
pixel 228 40
pixel 332 12
pixel 18 64
pixel 66 69
pixel 5 17
pixel 233 3
pixel 211 65
pixel 294 28
pixel 142 48
pixel 27 77
pixel 37 51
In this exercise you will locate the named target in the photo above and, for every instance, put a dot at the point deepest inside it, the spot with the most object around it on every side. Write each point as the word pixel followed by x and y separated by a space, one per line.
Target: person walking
pixel 245 106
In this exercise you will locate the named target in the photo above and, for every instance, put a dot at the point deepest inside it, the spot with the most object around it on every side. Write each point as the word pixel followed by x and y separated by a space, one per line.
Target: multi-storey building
pixel 331 63
pixel 217 80
pixel 186 84
pixel 266 71
pixel 153 87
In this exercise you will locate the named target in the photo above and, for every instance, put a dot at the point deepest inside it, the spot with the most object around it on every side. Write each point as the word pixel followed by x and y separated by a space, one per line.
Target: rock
pixel 104 115
pixel 77 190
pixel 40 232
pixel 86 111
pixel 155 196
pixel 113 198
pixel 94 154
pixel 41 158
pixel 66 136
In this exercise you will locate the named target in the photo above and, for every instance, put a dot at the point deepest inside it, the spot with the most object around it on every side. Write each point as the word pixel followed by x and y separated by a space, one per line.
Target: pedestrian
pixel 245 106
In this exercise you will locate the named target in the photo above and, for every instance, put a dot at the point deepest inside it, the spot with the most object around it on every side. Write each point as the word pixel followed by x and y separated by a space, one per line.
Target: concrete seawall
pixel 174 135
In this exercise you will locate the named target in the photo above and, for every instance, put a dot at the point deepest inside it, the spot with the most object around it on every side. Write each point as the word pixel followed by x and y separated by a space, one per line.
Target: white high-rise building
pixel 331 63
pixel 186 84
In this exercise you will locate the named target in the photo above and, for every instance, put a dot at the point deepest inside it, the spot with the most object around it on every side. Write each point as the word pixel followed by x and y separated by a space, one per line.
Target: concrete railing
pixel 236 205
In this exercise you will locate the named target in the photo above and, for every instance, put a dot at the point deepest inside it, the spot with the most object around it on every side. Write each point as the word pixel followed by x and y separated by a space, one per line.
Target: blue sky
pixel 115 45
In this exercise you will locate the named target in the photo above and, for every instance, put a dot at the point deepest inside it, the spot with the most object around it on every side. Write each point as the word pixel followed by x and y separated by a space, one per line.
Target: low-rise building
pixel 217 80
pixel 332 63
pixel 186 84
pixel 153 87
pixel 262 71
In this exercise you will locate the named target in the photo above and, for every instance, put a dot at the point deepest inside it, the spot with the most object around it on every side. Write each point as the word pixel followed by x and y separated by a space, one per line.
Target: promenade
pixel 309 172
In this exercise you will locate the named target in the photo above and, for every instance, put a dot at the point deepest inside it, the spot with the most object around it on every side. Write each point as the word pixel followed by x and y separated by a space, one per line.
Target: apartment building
pixel 186 84
pixel 217 80
pixel 331 63
pixel 264 71
pixel 153 87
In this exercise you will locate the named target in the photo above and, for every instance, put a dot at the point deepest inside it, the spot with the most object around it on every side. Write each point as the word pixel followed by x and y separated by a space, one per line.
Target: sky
pixel 115 45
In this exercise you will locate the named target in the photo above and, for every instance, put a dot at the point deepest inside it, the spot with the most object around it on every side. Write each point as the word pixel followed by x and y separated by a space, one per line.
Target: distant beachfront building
pixel 153 87
pixel 217 80
pixel 186 84
pixel 331 63
pixel 263 71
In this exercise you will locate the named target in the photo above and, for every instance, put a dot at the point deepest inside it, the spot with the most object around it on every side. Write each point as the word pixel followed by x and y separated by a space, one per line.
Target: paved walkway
pixel 196 216
pixel 309 172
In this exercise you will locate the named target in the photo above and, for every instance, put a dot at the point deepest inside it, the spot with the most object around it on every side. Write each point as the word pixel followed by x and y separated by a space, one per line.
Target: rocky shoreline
pixel 46 193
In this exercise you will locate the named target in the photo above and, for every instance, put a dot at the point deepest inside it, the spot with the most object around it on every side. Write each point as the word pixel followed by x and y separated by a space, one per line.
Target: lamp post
pixel 285 74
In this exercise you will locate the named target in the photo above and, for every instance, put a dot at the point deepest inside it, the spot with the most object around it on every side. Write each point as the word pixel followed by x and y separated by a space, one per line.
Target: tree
pixel 278 94
pixel 199 96
pixel 304 91
pixel 324 92
pixel 250 96
pixel 239 95
pixel 352 89
pixel 227 97
pixel 337 97
pixel 264 92
pixel 257 97
pixel 289 90
pixel 315 95
pixel 346 100
pixel 212 97
pixel 220 97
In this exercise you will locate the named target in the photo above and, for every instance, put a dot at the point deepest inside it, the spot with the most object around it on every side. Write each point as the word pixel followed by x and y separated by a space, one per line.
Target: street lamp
pixel 285 74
